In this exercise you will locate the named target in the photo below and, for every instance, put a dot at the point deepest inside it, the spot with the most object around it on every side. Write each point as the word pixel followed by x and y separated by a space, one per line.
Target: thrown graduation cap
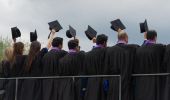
pixel 15 32
pixel 71 32
pixel 144 27
pixel 117 24
pixel 55 25
pixel 33 36
pixel 90 33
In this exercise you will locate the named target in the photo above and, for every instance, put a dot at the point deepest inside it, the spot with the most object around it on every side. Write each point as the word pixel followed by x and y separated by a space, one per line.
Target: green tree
pixel 4 42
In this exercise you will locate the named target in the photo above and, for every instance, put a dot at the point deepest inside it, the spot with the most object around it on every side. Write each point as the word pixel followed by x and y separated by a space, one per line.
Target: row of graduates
pixel 122 59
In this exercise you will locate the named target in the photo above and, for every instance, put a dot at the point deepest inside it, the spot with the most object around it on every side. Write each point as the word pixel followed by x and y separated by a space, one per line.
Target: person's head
pixel 57 42
pixel 74 44
pixel 8 54
pixel 122 36
pixel 18 48
pixel 102 40
pixel 151 35
pixel 34 50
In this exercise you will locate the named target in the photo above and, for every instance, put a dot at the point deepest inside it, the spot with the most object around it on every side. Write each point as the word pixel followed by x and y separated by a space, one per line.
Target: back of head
pixel 57 41
pixel 151 35
pixel 72 44
pixel 122 35
pixel 8 54
pixel 101 39
pixel 35 47
pixel 34 50
pixel 18 48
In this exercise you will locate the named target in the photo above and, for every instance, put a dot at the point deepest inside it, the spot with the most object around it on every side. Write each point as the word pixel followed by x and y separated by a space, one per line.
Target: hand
pixel 94 40
pixel 53 31
pixel 119 30
pixel 50 39
pixel 145 33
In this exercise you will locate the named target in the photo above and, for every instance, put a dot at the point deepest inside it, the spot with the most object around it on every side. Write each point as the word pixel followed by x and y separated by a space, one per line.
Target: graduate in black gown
pixel 51 68
pixel 70 65
pixel 7 62
pixel 119 61
pixel 30 89
pixel 94 65
pixel 11 68
pixel 18 59
pixel 149 58
pixel 6 86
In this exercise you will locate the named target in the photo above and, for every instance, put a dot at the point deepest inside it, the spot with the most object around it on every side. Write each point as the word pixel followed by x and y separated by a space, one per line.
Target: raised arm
pixel 145 35
pixel 53 32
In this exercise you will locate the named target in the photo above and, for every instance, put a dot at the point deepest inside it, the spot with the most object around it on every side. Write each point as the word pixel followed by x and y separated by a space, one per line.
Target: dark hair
pixel 151 34
pixel 72 44
pixel 34 50
pixel 102 38
pixel 18 49
pixel 57 41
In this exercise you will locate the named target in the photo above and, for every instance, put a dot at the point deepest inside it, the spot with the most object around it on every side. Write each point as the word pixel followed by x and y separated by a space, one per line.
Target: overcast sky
pixel 29 15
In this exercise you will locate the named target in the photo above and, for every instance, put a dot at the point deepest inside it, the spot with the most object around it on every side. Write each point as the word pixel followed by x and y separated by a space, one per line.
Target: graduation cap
pixel 55 25
pixel 33 36
pixel 117 24
pixel 90 33
pixel 71 32
pixel 144 27
pixel 15 32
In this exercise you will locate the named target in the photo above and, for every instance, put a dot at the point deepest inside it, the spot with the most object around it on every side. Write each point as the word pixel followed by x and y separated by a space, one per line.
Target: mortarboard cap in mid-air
pixel 33 36
pixel 54 25
pixel 117 24
pixel 71 32
pixel 15 32
pixel 144 27
pixel 90 33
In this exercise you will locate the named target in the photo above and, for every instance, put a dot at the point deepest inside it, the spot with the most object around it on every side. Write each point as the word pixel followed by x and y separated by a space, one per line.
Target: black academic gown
pixel 18 66
pixel 30 89
pixel 149 59
pixel 8 86
pixel 119 61
pixel 13 71
pixel 166 65
pixel 50 68
pixel 94 65
pixel 70 65
pixel 16 71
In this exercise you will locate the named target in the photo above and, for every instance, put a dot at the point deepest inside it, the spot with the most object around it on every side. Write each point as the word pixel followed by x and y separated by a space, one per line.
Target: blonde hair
pixel 122 35
pixel 8 54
